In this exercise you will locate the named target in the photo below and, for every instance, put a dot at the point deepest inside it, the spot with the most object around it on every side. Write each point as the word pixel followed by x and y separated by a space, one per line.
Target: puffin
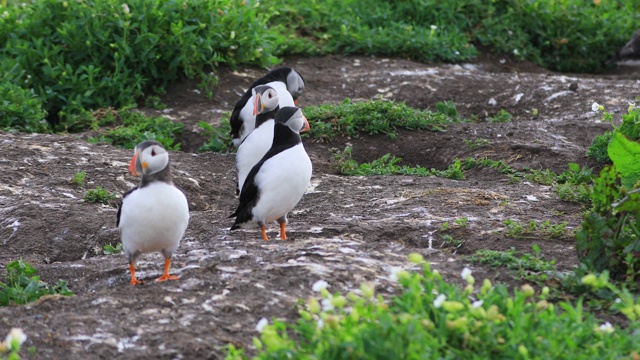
pixel 275 185
pixel 630 52
pixel 285 80
pixel 154 215
pixel 258 142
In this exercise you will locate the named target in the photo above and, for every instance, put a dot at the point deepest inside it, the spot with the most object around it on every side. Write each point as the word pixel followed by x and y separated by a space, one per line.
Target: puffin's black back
pixel 283 138
pixel 279 74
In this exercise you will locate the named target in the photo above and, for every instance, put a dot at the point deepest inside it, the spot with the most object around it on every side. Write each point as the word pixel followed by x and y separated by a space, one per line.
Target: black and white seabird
pixel 256 144
pixel 276 183
pixel 285 80
pixel 154 215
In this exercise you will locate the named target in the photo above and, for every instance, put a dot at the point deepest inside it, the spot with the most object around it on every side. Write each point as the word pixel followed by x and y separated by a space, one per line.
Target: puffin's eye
pixel 153 152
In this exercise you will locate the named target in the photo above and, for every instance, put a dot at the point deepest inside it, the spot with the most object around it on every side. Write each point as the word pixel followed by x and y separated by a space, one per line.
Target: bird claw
pixel 166 277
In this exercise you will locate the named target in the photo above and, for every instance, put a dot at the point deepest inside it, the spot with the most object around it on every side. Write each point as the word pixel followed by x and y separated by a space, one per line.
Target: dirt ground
pixel 346 230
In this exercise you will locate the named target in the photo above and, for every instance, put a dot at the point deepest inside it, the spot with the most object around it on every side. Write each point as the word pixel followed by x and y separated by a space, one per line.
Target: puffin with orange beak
pixel 275 185
pixel 289 85
pixel 154 215
pixel 256 144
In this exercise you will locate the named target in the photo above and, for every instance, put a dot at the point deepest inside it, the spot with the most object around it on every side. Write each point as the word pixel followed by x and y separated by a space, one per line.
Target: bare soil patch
pixel 347 230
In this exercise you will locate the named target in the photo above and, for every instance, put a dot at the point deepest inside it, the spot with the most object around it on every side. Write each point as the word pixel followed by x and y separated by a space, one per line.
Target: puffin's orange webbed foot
pixel 264 233
pixel 283 231
pixel 166 276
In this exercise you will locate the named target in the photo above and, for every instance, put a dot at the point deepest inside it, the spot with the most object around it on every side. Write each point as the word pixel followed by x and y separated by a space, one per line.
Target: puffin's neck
pixel 163 176
pixel 266 116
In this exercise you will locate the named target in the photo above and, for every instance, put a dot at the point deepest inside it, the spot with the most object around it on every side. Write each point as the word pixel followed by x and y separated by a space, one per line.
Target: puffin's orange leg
pixel 132 269
pixel 283 231
pixel 264 233
pixel 166 276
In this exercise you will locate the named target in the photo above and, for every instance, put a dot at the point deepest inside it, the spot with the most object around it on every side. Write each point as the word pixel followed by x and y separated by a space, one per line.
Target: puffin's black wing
pixel 121 202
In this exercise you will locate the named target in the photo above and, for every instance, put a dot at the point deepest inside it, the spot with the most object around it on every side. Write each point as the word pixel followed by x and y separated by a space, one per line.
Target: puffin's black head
pixel 293 80
pixel 149 158
pixel 292 117
pixel 266 99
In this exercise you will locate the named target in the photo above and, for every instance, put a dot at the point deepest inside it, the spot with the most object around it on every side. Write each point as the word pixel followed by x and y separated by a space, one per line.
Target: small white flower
pixel 476 304
pixel 466 272
pixel 125 8
pixel 595 107
pixel 439 300
pixel 393 276
pixel 433 27
pixel 320 324
pixel 5 14
pixel 326 305
pixel 606 328
pixel 261 324
pixel 516 52
pixel 319 285
pixel 16 334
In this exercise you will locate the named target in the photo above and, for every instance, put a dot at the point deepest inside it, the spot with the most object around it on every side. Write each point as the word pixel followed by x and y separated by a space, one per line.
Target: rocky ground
pixel 347 230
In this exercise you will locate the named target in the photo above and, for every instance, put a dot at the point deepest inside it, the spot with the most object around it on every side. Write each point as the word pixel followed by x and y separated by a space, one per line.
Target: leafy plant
pixel 133 127
pixel 22 285
pixel 154 102
pixel 109 249
pixel 79 178
pixel 534 229
pixel 373 117
pixel 21 110
pixel 99 195
pixel 431 318
pixel 500 117
pixel 510 259
pixel 80 55
pixel 477 143
pixel 219 138
pixel 387 165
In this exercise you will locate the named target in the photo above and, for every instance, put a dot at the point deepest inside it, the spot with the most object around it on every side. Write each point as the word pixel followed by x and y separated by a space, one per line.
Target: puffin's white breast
pixel 253 149
pixel 246 114
pixel 282 181
pixel 153 218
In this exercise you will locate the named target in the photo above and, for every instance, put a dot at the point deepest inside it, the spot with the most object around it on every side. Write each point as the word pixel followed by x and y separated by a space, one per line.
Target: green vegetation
pixel 500 117
pixel 61 59
pixel 79 178
pixel 374 117
pixel 99 195
pixel 522 264
pixel 22 285
pixel 477 143
pixel 534 229
pixel 130 128
pixel 630 128
pixel 431 318
pixel 219 138
pixel 109 249
pixel 154 102
pixel 387 165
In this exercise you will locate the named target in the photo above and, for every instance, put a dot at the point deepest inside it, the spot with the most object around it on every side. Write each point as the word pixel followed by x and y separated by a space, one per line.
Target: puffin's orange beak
pixel 132 165
pixel 306 126
pixel 256 105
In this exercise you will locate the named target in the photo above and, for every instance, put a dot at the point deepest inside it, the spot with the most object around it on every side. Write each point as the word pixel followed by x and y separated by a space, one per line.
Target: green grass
pixel 431 318
pixel 99 195
pixel 501 116
pixel 534 229
pixel 349 119
pixel 79 178
pixel 23 285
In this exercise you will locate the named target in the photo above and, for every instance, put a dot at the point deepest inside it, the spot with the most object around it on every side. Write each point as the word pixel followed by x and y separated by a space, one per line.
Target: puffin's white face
pixel 149 160
pixel 295 85
pixel 266 99
pixel 298 122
